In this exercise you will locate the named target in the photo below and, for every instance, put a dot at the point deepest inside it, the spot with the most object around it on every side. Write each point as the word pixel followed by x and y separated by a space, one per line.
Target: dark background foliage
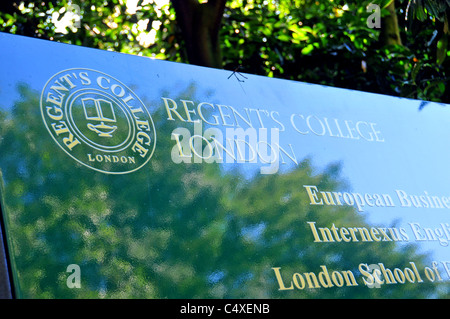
pixel 316 41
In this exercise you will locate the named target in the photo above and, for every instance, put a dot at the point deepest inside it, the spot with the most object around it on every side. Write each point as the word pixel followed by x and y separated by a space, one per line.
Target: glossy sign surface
pixel 127 177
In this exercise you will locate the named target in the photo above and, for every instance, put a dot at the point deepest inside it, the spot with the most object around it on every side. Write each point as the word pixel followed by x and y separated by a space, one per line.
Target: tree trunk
pixel 390 31
pixel 200 24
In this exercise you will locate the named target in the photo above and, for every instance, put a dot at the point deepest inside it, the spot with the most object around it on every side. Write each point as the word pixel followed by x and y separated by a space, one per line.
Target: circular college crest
pixel 98 121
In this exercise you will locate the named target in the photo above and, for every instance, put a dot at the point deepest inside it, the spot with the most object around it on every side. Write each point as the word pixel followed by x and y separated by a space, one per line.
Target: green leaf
pixel 308 49
pixel 441 52
pixel 284 37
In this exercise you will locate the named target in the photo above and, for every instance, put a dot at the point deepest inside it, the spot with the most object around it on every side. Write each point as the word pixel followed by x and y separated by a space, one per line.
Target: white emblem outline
pixel 139 101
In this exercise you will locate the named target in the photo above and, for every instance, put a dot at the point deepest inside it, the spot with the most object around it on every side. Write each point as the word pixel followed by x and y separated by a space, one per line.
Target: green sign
pixel 128 177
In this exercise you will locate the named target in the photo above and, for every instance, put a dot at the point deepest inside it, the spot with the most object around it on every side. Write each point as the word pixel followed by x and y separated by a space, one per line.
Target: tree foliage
pixel 317 41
